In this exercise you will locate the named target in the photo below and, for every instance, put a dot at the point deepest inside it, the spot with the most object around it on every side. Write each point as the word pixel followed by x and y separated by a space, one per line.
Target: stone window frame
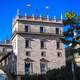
pixel 41 29
pixel 43 44
pixel 28 53
pixel 59 54
pixel 27 43
pixel 43 54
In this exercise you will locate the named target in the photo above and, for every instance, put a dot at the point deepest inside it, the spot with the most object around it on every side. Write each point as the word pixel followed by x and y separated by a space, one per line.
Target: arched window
pixel 28 66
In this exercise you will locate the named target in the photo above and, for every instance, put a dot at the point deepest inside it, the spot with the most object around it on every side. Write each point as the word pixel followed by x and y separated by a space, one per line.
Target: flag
pixel 47 7
pixel 28 5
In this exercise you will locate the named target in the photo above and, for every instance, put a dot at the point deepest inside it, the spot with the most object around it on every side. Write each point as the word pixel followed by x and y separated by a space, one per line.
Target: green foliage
pixel 73 22
pixel 70 15
pixel 77 73
pixel 56 74
pixel 59 74
pixel 70 18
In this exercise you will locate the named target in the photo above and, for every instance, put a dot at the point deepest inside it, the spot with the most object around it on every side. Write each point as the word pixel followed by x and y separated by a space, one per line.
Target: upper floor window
pixel 43 54
pixel 43 44
pixel 58 45
pixel 41 30
pixel 57 30
pixel 27 44
pixel 28 53
pixel 59 54
pixel 26 28
pixel 15 45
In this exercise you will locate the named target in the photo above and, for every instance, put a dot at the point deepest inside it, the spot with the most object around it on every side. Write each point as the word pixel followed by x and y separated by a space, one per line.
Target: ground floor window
pixel 43 68
pixel 27 68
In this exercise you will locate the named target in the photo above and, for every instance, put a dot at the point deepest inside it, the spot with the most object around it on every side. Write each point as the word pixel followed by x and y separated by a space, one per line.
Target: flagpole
pixel 47 7
pixel 28 7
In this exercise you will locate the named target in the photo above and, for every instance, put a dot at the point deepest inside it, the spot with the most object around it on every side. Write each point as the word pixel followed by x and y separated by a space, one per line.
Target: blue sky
pixel 8 10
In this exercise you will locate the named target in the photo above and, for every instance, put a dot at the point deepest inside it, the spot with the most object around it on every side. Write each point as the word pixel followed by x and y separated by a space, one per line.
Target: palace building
pixel 37 45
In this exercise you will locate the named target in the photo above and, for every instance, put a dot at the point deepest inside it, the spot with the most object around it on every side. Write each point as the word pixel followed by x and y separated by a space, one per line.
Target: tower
pixel 36 44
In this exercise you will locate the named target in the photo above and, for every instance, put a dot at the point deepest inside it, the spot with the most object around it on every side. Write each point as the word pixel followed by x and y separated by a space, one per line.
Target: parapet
pixel 37 19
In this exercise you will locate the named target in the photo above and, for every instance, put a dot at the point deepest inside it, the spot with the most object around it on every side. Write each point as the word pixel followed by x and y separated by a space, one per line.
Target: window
pixel 43 68
pixel 41 29
pixel 57 30
pixel 15 45
pixel 27 43
pixel 42 44
pixel 26 28
pixel 4 49
pixel 43 54
pixel 27 68
pixel 59 54
pixel 28 53
pixel 58 45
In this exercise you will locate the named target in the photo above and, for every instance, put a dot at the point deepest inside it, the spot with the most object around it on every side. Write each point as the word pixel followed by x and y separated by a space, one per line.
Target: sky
pixel 8 10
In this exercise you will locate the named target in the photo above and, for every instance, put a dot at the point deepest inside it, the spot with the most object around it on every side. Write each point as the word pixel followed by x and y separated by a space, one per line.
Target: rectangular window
pixel 41 30
pixel 28 53
pixel 27 68
pixel 27 44
pixel 43 54
pixel 4 49
pixel 26 28
pixel 57 30
pixel 43 68
pixel 58 45
pixel 42 44
pixel 59 54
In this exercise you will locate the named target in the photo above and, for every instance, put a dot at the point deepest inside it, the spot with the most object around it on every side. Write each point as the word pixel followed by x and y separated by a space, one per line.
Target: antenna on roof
pixel 28 6
pixel 36 11
pixel 18 12
pixel 54 17
pixel 40 16
pixel 33 16
pixel 47 17
pixel 61 16
pixel 47 7
pixel 25 14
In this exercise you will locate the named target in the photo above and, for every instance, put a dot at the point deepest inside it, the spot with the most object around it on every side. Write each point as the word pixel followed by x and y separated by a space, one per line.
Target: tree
pixel 59 74
pixel 72 35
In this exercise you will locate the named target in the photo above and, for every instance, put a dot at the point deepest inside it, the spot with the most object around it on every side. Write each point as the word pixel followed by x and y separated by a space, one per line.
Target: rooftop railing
pixel 41 19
